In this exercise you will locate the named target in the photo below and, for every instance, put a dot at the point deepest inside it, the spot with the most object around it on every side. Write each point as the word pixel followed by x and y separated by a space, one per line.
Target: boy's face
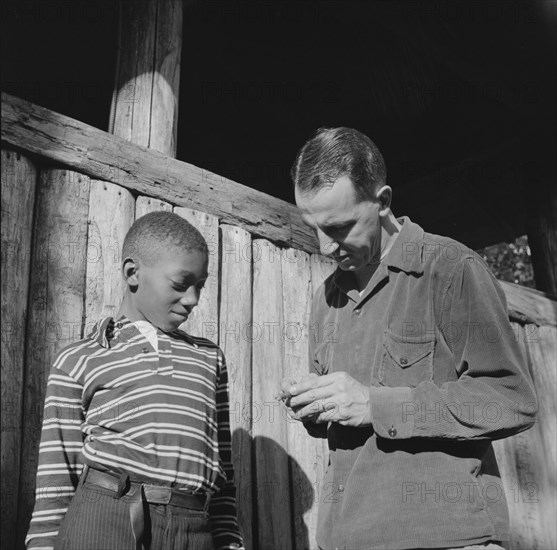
pixel 165 293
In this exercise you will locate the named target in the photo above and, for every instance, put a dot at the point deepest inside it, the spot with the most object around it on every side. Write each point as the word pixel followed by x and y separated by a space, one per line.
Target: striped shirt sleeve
pixel 59 465
pixel 222 507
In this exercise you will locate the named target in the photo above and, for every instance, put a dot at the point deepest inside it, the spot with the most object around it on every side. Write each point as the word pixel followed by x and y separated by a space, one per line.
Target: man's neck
pixel 390 229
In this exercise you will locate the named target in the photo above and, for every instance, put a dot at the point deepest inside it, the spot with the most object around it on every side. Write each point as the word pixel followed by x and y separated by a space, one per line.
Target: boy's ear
pixel 129 271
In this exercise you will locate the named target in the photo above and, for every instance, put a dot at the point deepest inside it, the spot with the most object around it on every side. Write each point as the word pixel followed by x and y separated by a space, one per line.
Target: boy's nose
pixel 190 298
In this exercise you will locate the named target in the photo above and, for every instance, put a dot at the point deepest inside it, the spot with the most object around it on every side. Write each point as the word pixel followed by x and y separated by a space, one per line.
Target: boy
pixel 135 449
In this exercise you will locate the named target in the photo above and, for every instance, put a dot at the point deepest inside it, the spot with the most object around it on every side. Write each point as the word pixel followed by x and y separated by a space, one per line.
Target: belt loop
pixel 122 485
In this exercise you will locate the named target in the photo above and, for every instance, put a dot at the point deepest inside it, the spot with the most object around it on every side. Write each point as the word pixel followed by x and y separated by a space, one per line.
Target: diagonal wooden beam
pixel 103 156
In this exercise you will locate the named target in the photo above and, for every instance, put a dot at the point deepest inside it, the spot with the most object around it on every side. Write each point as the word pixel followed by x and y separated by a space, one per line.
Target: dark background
pixel 458 95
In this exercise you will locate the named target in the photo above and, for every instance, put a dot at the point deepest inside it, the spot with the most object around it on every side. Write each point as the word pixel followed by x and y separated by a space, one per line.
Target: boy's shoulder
pixel 90 344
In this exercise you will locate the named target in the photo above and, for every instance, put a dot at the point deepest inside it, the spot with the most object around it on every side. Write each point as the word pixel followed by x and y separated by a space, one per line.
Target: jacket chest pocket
pixel 406 361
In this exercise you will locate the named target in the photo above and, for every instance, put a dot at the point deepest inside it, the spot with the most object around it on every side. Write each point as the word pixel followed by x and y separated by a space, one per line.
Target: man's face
pixel 348 229
pixel 167 291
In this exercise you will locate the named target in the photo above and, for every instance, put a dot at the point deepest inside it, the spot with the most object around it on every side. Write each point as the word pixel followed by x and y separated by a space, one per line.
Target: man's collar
pixel 406 252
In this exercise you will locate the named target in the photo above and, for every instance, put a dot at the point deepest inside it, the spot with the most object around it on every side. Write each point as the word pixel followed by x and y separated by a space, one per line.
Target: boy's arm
pixel 59 452
pixel 222 507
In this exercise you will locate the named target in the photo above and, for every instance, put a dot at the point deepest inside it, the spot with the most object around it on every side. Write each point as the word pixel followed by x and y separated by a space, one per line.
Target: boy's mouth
pixel 184 314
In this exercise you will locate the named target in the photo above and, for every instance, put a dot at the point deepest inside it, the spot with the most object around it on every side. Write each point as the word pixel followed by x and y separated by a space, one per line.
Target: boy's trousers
pixel 96 520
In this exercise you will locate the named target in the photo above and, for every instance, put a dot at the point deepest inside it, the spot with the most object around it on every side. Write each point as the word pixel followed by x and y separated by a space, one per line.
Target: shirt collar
pixel 109 329
pixel 406 254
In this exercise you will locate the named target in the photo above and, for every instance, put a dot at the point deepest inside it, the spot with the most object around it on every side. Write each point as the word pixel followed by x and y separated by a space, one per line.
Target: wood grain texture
pixel 203 320
pixel 269 424
pixel 166 76
pixel 145 205
pixel 304 469
pixel 111 213
pixel 527 461
pixel 56 304
pixel 19 177
pixel 235 341
pixel 110 158
pixel 321 268
pixel 145 107
pixel 527 305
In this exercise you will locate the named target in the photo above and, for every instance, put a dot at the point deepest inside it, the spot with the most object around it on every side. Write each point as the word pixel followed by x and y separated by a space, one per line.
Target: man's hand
pixel 333 397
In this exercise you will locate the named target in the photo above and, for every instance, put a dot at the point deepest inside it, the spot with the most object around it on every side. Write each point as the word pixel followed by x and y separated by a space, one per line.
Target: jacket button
pixel 145 350
pixel 341 488
pixel 392 431
pixel 403 361
pixel 357 311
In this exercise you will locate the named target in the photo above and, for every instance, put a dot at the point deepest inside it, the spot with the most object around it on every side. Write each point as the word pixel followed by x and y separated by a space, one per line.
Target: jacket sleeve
pixel 493 397
pixel 59 465
pixel 222 508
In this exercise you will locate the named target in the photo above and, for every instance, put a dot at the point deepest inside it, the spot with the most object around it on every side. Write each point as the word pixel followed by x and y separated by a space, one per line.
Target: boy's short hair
pixel 335 152
pixel 157 232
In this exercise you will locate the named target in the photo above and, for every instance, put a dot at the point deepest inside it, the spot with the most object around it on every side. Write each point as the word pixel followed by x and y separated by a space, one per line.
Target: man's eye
pixel 200 286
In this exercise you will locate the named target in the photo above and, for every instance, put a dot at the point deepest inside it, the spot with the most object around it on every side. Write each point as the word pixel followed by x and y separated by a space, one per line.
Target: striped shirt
pixel 116 404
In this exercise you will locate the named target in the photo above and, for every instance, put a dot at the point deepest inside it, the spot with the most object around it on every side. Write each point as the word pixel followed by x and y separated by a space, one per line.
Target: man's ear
pixel 130 270
pixel 384 197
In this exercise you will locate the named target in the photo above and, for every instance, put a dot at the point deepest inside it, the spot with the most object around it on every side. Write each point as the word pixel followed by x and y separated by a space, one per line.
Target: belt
pixel 142 492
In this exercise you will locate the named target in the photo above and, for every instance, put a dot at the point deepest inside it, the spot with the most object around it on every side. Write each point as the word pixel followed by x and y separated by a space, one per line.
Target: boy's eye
pixel 180 288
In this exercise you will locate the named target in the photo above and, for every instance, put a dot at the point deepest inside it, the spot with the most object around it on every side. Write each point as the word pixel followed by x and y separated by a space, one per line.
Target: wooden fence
pixel 62 232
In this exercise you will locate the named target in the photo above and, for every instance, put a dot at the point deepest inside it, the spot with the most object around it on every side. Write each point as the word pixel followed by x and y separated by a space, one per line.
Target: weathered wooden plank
pixel 111 213
pixel 19 177
pixel 203 320
pixel 145 205
pixel 527 460
pixel 235 340
pixel 321 268
pixel 110 158
pixel 145 107
pixel 56 306
pixel 269 427
pixel 542 346
pixel 166 76
pixel 527 305
pixel 296 291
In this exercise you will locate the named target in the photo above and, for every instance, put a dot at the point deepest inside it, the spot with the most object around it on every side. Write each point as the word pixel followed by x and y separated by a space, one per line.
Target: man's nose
pixel 327 246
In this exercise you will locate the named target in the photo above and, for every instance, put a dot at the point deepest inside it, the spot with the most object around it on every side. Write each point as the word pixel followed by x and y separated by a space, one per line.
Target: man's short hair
pixel 335 152
pixel 156 233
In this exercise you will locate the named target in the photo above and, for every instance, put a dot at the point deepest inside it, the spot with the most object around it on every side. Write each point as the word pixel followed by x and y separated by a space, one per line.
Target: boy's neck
pixel 128 310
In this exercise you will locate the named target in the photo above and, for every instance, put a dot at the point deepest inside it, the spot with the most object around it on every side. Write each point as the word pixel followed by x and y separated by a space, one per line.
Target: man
pixel 422 374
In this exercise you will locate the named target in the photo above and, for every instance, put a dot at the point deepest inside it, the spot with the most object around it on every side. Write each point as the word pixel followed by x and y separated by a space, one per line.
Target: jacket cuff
pixel 392 412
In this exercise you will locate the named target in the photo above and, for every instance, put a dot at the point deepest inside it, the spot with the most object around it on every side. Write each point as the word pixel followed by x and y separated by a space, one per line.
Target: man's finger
pixel 310 383
pixel 316 409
